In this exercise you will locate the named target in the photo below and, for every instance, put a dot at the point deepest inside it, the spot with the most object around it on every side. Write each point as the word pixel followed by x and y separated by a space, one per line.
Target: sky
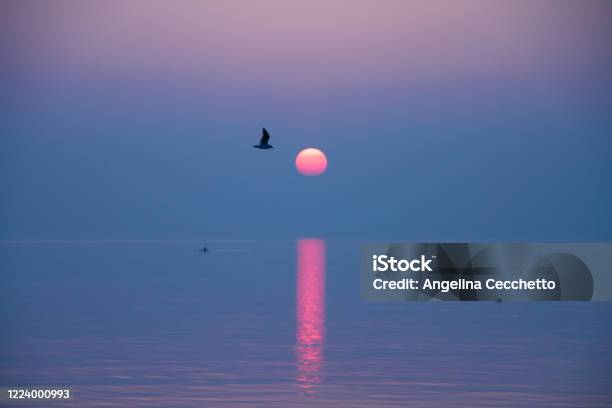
pixel 441 120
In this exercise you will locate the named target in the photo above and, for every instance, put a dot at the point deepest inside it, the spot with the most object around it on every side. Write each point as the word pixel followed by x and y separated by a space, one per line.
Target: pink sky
pixel 314 42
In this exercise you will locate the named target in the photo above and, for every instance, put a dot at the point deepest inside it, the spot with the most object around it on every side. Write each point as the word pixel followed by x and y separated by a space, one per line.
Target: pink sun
pixel 311 162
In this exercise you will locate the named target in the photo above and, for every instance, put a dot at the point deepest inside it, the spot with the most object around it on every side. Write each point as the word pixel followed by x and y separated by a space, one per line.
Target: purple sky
pixel 135 119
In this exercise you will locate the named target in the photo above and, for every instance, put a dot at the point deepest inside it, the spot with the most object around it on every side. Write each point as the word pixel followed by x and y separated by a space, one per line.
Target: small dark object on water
pixel 498 300
pixel 204 249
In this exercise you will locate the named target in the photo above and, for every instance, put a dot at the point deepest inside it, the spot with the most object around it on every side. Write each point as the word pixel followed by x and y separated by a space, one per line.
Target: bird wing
pixel 264 137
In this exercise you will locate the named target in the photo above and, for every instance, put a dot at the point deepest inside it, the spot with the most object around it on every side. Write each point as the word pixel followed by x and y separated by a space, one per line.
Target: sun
pixel 311 162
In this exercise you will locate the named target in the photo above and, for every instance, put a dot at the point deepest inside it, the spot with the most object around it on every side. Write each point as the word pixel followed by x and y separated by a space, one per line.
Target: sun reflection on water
pixel 310 312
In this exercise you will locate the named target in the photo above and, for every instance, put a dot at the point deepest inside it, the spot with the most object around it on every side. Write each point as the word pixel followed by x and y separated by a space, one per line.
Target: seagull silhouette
pixel 263 143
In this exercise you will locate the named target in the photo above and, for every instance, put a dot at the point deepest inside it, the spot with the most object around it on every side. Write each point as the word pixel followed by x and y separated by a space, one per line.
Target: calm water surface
pixel 277 324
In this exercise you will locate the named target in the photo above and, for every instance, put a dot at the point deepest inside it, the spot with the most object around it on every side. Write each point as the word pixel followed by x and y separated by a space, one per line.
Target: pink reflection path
pixel 310 311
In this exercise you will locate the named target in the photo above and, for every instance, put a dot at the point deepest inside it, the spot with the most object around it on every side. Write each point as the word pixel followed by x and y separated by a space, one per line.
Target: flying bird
pixel 263 143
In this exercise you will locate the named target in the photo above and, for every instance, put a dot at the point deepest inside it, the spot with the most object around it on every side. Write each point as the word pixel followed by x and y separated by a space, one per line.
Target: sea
pixel 275 324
